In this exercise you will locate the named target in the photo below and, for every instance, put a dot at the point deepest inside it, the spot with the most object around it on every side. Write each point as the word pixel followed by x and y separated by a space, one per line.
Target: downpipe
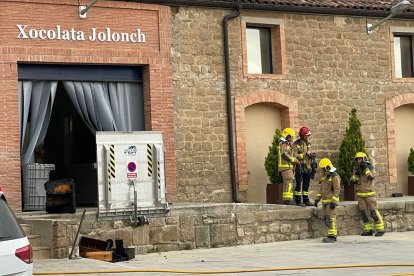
pixel 229 102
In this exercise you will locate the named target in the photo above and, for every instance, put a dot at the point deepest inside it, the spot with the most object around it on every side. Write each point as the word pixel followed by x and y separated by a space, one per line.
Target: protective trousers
pixel 370 204
pixel 302 187
pixel 329 219
pixel 288 186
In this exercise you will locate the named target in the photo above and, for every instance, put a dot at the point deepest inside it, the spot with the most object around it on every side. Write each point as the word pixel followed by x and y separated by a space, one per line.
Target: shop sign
pixel 71 34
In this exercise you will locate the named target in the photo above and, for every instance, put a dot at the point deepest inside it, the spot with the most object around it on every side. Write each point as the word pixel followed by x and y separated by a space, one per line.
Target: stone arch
pixel 289 116
pixel 390 106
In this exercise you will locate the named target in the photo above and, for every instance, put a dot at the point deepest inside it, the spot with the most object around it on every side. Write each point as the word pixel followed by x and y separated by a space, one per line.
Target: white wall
pixel 261 123
pixel 404 140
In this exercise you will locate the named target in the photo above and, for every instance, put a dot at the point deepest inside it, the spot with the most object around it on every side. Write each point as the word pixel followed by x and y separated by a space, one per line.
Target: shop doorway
pixel 71 147
pixel 59 118
pixel 261 122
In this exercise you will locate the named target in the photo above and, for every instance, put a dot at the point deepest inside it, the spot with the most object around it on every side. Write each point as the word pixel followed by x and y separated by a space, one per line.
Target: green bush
pixel 350 145
pixel 410 161
pixel 271 161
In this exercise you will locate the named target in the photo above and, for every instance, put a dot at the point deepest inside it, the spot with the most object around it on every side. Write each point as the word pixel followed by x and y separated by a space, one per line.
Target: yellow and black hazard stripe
pixel 159 174
pixel 149 159
pixel 111 165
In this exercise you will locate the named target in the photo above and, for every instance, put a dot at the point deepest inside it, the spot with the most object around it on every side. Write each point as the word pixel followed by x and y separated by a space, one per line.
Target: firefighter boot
pixel 367 233
pixel 379 234
pixel 298 200
pixel 309 203
pixel 287 202
pixel 329 239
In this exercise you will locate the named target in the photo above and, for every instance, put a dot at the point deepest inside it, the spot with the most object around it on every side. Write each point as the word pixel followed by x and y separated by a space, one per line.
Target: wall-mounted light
pixel 84 9
pixel 397 9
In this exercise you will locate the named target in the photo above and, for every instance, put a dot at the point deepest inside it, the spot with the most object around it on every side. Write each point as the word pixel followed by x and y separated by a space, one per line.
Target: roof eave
pixel 280 8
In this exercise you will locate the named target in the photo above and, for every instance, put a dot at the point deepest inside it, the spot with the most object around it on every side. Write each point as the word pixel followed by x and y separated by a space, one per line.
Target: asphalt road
pixel 392 254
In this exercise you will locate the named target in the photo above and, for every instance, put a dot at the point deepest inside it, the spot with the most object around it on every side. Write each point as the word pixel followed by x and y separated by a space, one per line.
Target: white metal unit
pixel 131 179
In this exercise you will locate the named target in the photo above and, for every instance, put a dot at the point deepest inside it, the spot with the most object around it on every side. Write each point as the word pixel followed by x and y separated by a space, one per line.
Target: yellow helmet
pixel 363 156
pixel 288 131
pixel 325 162
pixel 360 155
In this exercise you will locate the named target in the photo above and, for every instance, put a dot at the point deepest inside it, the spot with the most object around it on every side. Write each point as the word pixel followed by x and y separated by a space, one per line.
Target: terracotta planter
pixel 411 185
pixel 274 194
pixel 349 192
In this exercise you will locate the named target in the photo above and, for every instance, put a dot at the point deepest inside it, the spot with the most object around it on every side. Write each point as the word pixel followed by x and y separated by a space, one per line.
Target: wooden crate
pixel 100 255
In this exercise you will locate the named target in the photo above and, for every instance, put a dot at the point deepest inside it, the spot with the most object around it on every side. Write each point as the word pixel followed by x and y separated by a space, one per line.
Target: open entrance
pixel 62 107
pixel 71 147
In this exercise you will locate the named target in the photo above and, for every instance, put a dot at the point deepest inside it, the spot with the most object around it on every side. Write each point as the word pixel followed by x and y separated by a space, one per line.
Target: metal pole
pixel 77 234
pixel 88 7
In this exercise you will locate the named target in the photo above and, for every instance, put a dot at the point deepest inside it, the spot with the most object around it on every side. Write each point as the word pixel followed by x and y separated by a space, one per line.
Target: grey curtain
pixel 36 102
pixel 107 106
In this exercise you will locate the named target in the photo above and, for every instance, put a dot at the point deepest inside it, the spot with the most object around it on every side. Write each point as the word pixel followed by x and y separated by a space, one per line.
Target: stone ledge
pixel 214 225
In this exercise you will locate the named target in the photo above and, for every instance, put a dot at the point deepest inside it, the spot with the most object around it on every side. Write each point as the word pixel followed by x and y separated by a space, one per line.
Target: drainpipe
pixel 229 102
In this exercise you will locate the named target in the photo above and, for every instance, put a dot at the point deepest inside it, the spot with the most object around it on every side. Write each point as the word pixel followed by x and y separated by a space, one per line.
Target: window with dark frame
pixel 259 50
pixel 403 56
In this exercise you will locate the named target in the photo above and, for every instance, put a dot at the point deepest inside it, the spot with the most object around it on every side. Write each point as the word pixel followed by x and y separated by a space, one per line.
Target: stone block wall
pixel 205 226
pixel 326 76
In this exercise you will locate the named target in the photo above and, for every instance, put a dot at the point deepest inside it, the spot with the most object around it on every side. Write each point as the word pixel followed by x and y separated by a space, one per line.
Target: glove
pixel 316 202
pixel 332 205
pixel 370 177
pixel 363 165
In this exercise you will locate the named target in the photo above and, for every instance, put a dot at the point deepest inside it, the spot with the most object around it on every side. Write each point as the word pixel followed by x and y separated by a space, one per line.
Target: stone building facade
pixel 329 65
pixel 324 64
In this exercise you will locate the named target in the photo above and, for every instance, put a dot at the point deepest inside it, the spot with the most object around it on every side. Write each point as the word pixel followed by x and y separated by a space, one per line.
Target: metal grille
pixel 37 176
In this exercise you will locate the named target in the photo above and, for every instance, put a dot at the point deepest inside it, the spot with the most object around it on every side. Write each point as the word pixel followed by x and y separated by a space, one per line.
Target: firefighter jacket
pixel 330 187
pixel 363 179
pixel 286 159
pixel 301 150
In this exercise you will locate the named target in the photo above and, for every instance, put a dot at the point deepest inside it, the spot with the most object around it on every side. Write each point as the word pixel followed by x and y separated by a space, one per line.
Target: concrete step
pixel 41 252
pixel 35 240
pixel 27 228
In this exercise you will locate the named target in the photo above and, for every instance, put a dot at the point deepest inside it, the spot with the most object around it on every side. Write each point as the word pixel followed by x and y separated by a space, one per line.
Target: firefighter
pixel 303 171
pixel 363 179
pixel 286 164
pixel 329 194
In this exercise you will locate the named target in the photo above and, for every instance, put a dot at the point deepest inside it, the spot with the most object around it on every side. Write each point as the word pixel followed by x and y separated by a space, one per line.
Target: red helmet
pixel 304 131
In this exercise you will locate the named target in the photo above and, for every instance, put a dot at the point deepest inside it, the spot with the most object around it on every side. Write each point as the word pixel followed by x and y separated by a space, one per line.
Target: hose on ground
pixel 218 271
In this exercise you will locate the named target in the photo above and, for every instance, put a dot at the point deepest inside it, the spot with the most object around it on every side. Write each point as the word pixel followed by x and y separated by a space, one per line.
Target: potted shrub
pixel 274 189
pixel 350 145
pixel 410 163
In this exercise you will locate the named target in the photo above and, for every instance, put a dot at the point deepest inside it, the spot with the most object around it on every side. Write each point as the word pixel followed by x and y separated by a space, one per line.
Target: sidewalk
pixel 312 255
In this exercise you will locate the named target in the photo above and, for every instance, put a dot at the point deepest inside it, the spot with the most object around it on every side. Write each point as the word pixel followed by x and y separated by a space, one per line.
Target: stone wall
pixel 327 74
pixel 205 226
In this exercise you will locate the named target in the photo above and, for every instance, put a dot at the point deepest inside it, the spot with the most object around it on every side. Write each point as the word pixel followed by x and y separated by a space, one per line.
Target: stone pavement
pixel 311 255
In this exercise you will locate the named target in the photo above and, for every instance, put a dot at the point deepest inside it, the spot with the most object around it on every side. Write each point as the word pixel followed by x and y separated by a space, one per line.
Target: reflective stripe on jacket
pixel 330 188
pixel 363 186
pixel 286 158
pixel 300 149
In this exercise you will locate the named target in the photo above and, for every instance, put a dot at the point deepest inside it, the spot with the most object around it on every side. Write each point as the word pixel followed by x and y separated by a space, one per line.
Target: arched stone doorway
pixel 259 112
pixel 404 133
pixel 400 114
pixel 261 122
